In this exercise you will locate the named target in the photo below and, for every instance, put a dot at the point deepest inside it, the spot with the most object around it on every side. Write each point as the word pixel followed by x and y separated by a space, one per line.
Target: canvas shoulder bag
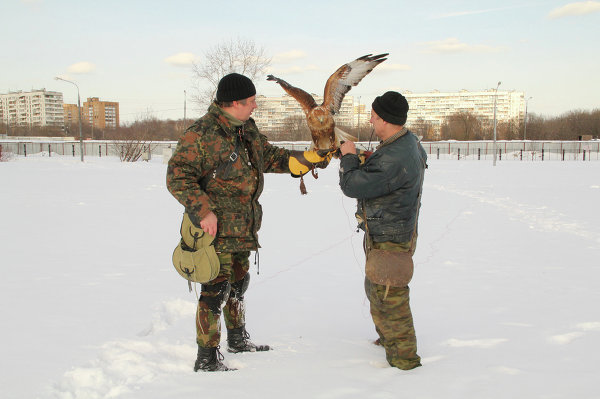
pixel 195 258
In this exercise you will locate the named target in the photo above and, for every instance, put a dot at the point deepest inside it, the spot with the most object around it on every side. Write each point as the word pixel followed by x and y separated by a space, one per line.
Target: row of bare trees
pixel 461 126
pixel 468 126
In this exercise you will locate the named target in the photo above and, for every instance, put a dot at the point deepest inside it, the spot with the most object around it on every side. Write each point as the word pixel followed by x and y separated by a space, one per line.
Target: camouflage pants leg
pixel 213 296
pixel 394 324
pixel 234 310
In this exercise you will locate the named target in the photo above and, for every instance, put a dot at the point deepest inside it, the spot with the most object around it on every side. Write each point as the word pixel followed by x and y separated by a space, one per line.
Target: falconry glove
pixel 302 162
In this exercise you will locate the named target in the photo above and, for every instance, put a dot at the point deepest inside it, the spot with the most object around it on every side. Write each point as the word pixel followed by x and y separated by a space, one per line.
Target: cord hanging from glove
pixel 302 162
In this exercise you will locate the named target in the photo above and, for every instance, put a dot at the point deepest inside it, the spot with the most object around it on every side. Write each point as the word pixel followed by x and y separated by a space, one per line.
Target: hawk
pixel 320 117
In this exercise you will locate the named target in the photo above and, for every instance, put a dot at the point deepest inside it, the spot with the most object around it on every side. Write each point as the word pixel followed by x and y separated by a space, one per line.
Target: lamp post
pixel 79 111
pixel 495 97
pixel 525 127
pixel 358 119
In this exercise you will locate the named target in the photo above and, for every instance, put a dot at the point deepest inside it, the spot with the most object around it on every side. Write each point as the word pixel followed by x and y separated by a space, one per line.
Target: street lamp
pixel 358 119
pixel 525 128
pixel 79 111
pixel 495 97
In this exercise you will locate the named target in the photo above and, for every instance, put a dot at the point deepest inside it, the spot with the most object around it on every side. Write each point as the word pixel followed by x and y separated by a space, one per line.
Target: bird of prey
pixel 320 117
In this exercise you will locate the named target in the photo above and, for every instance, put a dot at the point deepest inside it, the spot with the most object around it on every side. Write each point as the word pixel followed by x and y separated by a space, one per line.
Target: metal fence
pixel 457 150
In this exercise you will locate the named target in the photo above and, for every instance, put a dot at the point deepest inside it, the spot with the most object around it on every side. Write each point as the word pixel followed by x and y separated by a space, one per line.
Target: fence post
pixel 542 154
pixel 584 155
pixel 100 151
pixel 500 158
pixel 73 149
pixel 479 154
pixel 438 153
pixel 25 149
pixel 458 155
pixel 563 155
pixel 521 156
pixel 49 153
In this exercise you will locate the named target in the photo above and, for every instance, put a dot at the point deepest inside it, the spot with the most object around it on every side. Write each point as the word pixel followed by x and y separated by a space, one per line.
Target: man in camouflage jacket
pixel 387 187
pixel 217 174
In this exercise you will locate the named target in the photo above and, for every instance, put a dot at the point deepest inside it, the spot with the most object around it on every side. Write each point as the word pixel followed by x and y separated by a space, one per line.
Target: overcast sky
pixel 139 53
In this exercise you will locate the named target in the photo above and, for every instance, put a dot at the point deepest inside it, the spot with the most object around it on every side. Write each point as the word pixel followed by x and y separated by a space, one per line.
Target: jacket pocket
pixel 232 225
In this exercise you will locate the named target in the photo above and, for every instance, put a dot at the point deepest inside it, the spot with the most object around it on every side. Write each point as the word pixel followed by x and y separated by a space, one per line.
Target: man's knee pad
pixel 215 295
pixel 239 287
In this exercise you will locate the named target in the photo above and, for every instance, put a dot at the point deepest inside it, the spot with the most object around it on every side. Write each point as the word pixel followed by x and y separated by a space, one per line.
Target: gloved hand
pixel 363 155
pixel 302 162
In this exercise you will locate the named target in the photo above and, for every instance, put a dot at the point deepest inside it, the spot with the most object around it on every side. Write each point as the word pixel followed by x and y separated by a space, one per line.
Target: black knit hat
pixel 234 87
pixel 392 107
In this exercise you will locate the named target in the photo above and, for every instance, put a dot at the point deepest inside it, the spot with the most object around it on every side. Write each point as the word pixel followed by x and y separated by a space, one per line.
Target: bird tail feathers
pixel 341 135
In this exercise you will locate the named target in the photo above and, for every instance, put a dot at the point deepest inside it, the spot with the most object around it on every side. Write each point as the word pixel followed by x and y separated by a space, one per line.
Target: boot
pixel 238 340
pixel 209 359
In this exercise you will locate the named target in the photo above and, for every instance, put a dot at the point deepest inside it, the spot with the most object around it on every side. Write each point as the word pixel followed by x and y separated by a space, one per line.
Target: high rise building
pixel 34 108
pixel 71 114
pixel 95 113
pixel 435 107
pixel 272 111
pixel 100 114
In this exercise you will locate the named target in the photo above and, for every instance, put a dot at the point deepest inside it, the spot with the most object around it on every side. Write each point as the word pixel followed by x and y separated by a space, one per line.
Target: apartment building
pixel 71 114
pixel 96 113
pixel 272 111
pixel 100 114
pixel 435 107
pixel 34 108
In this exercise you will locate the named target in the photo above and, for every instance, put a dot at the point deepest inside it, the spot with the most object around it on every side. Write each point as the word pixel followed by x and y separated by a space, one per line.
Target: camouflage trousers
pixel 394 324
pixel 226 289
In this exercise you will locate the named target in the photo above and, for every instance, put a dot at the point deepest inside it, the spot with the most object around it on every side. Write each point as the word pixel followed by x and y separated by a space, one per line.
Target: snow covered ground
pixel 505 293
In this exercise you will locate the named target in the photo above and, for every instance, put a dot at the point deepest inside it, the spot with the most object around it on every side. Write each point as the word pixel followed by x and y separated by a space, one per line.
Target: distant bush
pixel 4 156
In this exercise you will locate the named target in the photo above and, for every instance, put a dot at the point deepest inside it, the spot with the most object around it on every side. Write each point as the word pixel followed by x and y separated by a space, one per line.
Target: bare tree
pixel 3 155
pixel 136 140
pixel 295 128
pixel 240 55
pixel 424 129
pixel 462 126
pixel 508 130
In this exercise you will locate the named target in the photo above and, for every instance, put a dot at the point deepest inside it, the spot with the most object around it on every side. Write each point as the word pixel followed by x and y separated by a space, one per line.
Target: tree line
pixel 466 126
pixel 462 126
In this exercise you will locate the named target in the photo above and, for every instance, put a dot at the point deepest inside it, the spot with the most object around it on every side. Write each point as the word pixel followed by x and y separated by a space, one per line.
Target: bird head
pixel 320 117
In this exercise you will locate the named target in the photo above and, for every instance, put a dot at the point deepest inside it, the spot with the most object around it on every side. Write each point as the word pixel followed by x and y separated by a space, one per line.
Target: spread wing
pixel 345 77
pixel 306 100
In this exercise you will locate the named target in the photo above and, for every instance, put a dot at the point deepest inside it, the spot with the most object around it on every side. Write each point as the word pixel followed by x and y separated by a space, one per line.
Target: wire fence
pixel 458 150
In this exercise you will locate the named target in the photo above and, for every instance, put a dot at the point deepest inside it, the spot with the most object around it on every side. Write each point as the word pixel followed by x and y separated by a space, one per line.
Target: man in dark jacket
pixel 217 174
pixel 388 186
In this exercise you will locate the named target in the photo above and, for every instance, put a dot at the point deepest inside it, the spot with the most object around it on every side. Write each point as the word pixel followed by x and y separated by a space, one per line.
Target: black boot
pixel 238 340
pixel 209 359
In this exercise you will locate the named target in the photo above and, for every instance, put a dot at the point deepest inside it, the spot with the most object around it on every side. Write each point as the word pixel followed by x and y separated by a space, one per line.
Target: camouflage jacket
pixel 220 168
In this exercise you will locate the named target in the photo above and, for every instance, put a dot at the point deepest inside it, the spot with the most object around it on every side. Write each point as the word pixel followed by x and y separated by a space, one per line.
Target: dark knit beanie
pixel 234 87
pixel 392 107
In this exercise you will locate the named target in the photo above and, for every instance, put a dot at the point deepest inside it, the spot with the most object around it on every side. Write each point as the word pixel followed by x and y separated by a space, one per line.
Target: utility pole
pixel 358 120
pixel 525 127
pixel 495 97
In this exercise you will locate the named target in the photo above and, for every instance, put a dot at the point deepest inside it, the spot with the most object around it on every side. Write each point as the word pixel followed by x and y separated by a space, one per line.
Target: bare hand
pixel 209 224
pixel 347 147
